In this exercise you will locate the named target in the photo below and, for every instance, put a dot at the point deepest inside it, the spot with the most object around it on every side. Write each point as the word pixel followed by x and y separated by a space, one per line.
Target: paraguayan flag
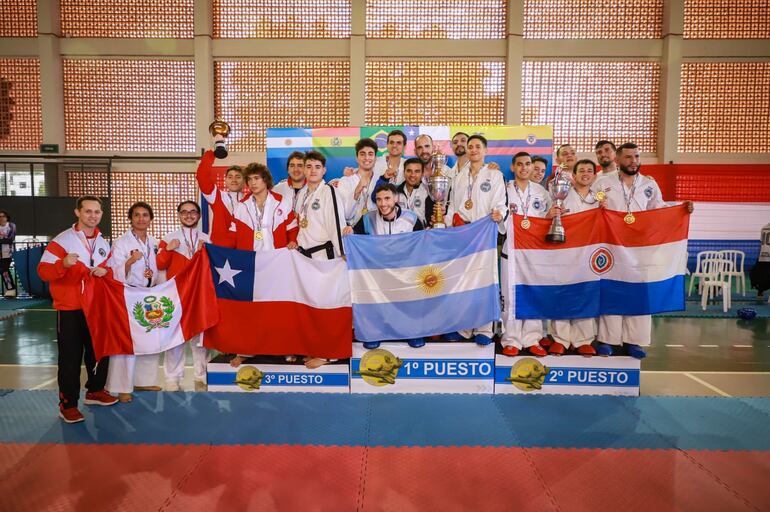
pixel 423 283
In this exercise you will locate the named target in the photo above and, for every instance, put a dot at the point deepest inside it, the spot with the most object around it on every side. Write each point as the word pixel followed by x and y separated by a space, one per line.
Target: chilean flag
pixel 606 266
pixel 125 320
pixel 280 303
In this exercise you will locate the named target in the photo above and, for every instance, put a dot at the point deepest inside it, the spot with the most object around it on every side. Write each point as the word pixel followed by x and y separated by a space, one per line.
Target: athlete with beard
pixel 628 191
pixel 605 155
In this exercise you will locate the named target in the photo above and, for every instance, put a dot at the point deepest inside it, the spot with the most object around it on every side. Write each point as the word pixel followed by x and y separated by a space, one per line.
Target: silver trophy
pixel 559 189
pixel 439 187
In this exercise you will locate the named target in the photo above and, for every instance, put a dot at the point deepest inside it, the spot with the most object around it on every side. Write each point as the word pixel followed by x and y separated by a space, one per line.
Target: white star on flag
pixel 226 274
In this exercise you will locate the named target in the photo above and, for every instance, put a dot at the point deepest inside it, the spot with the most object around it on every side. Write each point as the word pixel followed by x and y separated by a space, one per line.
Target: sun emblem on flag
pixel 287 142
pixel 430 280
pixel 601 261
pixel 154 313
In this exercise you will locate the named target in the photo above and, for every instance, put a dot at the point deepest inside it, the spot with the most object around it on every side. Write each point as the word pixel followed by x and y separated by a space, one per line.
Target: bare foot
pixel 124 398
pixel 236 361
pixel 315 362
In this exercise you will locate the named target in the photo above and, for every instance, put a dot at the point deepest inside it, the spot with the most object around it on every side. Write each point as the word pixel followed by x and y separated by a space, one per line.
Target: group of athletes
pixel 388 194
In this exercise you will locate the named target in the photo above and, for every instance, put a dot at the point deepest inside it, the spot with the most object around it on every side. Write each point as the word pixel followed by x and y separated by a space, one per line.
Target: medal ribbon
pixel 524 204
pixel 145 257
pixel 628 197
pixel 192 244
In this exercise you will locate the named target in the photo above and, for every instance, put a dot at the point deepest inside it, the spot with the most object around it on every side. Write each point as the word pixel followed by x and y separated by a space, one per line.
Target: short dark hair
pixel 603 142
pixel 81 199
pixel 7 215
pixel 397 132
pixel 315 155
pixel 261 170
pixel 196 205
pixel 627 145
pixel 540 159
pixel 562 147
pixel 140 204
pixel 519 155
pixel 298 155
pixel 583 162
pixel 389 187
pixel 478 137
pixel 366 143
pixel 414 160
pixel 460 133
pixel 236 168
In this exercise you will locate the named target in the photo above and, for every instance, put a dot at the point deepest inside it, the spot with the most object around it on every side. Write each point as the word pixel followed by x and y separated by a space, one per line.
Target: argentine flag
pixel 424 283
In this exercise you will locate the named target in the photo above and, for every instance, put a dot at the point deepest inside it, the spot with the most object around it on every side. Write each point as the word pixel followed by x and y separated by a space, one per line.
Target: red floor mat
pixel 283 477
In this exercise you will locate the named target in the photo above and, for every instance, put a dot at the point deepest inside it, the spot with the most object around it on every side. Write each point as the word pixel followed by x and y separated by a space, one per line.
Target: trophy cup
pixel 219 128
pixel 439 187
pixel 559 189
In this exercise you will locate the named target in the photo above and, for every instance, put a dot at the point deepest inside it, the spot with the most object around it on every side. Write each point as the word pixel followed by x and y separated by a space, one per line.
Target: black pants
pixel 75 344
pixel 5 272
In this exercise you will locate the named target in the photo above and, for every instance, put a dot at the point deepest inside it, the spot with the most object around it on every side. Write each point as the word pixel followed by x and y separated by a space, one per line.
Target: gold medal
pixel 148 273
pixel 258 235
pixel 469 204
pixel 364 210
pixel 600 195
pixel 303 223
pixel 525 223
pixel 629 218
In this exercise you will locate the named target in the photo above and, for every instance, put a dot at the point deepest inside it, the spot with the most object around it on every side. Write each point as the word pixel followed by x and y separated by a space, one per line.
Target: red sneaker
pixel 546 342
pixel 71 415
pixel 510 351
pixel 557 349
pixel 586 350
pixel 538 351
pixel 99 398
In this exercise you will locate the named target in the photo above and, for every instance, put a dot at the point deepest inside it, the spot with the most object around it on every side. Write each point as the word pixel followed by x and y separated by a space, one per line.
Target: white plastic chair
pixel 713 283
pixel 701 257
pixel 735 269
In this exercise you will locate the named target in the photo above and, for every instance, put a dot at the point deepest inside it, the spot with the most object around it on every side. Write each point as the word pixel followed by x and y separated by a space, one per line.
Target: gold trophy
pixel 220 128
pixel 439 187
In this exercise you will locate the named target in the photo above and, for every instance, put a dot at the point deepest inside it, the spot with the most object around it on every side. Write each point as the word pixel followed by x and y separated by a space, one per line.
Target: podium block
pixel 269 374
pixel 434 368
pixel 569 375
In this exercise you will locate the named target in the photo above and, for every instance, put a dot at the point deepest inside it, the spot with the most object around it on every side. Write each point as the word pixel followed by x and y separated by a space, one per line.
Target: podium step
pixel 269 374
pixel 569 375
pixel 396 367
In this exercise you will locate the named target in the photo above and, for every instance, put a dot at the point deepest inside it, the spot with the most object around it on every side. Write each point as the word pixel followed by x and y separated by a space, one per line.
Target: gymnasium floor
pixel 698 439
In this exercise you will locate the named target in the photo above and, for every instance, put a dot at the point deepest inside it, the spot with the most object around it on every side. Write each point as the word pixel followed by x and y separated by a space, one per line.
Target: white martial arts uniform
pixel 487 191
pixel 644 194
pixel 285 189
pixel 415 201
pixel 354 208
pixel 324 223
pixel 381 165
pixel 576 331
pixel 173 358
pixel 534 201
pixel 127 371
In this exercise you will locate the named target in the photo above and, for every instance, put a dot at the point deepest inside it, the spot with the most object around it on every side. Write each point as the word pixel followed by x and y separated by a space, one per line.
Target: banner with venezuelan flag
pixel 338 144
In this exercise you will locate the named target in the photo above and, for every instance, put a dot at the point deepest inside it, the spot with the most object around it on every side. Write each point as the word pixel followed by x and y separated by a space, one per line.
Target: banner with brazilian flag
pixel 338 144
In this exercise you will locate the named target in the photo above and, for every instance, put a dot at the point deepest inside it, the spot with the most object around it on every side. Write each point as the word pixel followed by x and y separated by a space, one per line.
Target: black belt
pixel 328 246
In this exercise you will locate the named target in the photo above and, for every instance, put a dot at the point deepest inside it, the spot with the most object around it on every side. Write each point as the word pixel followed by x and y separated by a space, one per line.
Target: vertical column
pixel 204 72
pixel 358 63
pixel 670 80
pixel 513 61
pixel 51 75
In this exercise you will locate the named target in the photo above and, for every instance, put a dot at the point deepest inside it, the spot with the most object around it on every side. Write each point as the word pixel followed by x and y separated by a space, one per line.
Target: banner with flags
pixel 279 303
pixel 338 144
pixel 606 266
pixel 125 320
pixel 423 283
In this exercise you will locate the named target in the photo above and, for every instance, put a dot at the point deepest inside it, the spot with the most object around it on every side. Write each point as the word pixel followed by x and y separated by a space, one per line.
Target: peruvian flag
pixel 125 320
pixel 280 303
